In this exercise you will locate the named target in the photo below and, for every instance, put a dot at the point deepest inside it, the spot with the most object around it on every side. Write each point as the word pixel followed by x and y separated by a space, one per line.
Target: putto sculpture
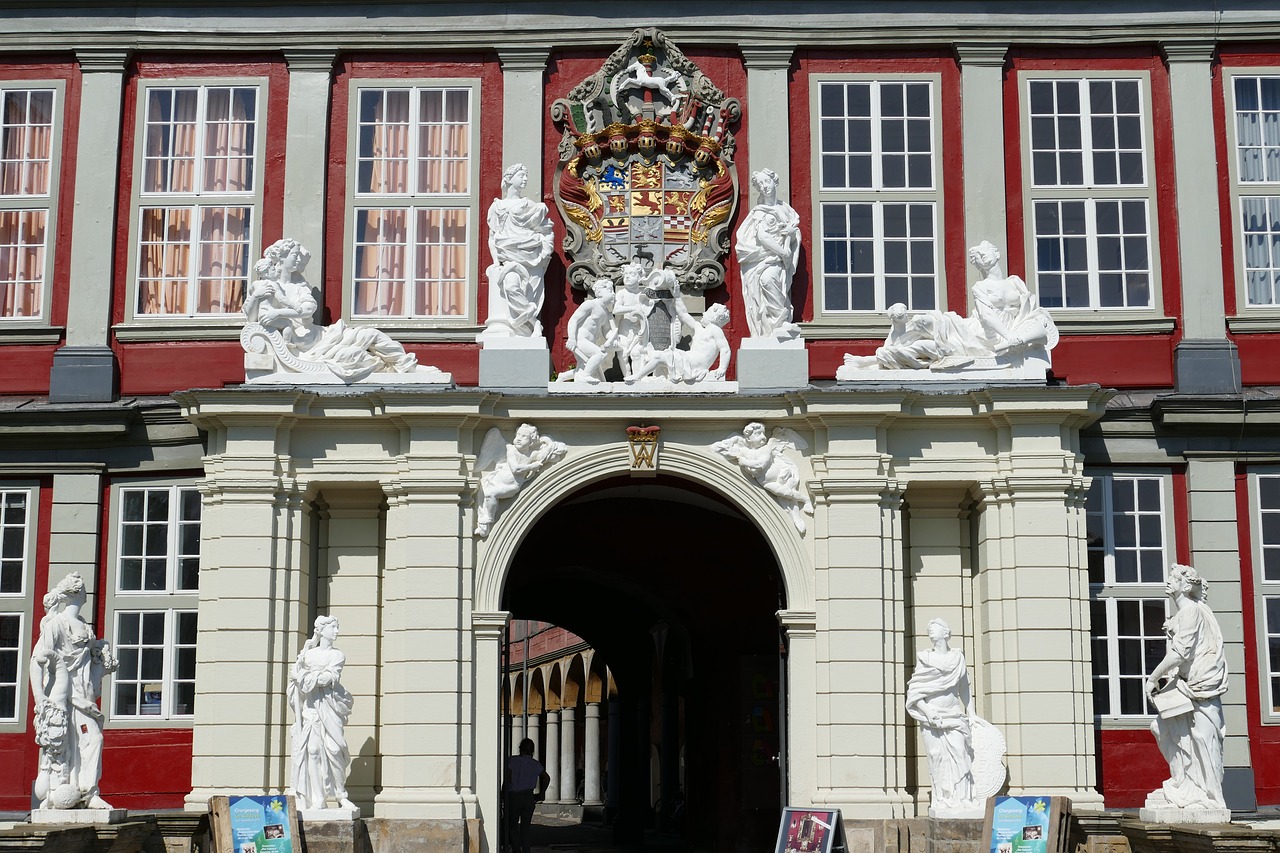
pixel 505 468
pixel 768 249
pixel 593 334
pixel 321 707
pixel 67 666
pixel 520 242
pixel 765 461
pixel 283 343
pixel 1009 335
pixel 964 750
pixel 1186 688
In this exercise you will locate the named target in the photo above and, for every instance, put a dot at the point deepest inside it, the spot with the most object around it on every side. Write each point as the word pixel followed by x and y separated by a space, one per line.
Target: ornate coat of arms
pixel 646 166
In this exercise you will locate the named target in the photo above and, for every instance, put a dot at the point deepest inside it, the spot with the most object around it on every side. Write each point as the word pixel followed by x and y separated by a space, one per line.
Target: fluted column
pixel 552 760
pixel 568 756
pixel 591 755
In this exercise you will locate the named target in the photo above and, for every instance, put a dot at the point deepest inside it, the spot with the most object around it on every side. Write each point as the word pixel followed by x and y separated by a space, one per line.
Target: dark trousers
pixel 519 816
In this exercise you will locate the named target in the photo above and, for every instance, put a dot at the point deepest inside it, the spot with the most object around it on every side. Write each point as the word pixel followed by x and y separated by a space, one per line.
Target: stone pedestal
pixel 336 835
pixel 83 374
pixel 1175 815
pixel 319 815
pixel 78 816
pixel 514 364
pixel 768 364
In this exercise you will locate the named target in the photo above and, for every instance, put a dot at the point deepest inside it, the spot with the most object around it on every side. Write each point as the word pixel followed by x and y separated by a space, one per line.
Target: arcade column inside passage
pixel 591 755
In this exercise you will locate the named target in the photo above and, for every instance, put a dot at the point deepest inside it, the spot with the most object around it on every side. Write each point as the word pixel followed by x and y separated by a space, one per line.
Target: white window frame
pixel 1263 590
pixel 1110 592
pixel 1249 317
pixel 36 328
pixel 422 327
pixel 140 326
pixel 834 323
pixel 169 601
pixel 19 603
pixel 1095 318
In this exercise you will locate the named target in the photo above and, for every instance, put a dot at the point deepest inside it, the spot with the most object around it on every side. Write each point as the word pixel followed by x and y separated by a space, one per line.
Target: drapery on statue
pixel 765 461
pixel 321 707
pixel 505 468
pixel 768 249
pixel 280 309
pixel 1187 687
pixel 520 243
pixel 67 665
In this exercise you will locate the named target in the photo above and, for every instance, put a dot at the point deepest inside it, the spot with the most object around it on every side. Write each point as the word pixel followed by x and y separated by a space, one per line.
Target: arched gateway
pixel 965 503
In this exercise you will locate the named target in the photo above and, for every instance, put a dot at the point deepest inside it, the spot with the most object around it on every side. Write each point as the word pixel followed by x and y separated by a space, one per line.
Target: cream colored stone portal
pixel 967 503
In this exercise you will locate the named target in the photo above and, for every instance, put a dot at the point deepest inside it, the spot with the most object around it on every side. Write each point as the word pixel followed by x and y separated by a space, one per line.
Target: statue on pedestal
pixel 505 468
pixel 520 242
pixel 1186 688
pixel 768 248
pixel 67 665
pixel 321 707
pixel 958 743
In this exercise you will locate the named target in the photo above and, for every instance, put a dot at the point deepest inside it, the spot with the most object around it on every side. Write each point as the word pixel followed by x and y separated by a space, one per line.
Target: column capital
pixel 981 54
pixel 102 61
pixel 523 58
pixel 314 61
pixel 767 57
pixel 1195 50
pixel 489 624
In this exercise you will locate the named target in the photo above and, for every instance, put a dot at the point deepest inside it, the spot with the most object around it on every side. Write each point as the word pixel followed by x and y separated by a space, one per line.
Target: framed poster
pixel 808 830
pixel 1027 824
pixel 255 824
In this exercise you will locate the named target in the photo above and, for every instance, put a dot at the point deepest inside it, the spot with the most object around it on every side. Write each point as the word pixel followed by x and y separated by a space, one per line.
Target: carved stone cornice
pixel 798 623
pixel 523 58
pixel 981 54
pixel 767 57
pixel 489 624
pixel 102 61
pixel 1192 50
pixel 310 61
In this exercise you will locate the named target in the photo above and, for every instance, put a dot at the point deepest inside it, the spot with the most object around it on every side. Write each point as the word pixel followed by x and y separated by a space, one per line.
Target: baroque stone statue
pixel 593 333
pixel 505 468
pixel 321 707
pixel 520 241
pixel 765 461
pixel 283 343
pixel 67 665
pixel 1009 335
pixel 1186 688
pixel 768 249
pixel 957 741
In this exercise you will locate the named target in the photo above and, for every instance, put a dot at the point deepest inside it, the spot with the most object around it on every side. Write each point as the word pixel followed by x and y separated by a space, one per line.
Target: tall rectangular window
pixel 413 200
pixel 1266 492
pixel 1089 191
pixel 878 203
pixel 28 185
pixel 1255 102
pixel 157 578
pixel 17 567
pixel 1128 521
pixel 10 656
pixel 199 198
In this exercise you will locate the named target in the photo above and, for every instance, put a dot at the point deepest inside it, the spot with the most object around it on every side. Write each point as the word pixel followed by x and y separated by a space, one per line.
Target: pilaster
pixel 74 531
pixel 522 116
pixel 487 631
pixel 306 152
pixel 768 103
pixel 85 370
pixel 1215 552
pixel 982 121
pixel 801 627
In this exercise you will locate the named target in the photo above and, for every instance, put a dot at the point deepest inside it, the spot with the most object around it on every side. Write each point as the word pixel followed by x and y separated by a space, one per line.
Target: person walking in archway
pixel 525 782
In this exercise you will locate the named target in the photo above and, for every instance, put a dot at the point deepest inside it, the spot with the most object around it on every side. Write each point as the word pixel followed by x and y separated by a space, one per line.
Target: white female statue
pixel 1186 688
pixel 520 242
pixel 67 665
pixel 1010 319
pixel 321 707
pixel 768 248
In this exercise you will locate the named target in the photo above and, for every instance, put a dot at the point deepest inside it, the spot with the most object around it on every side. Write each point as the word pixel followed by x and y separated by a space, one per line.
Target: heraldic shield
pixel 646 167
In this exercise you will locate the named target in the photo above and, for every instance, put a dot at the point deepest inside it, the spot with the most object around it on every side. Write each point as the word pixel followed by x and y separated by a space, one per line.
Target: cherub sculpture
pixel 593 333
pixel 765 460
pixel 507 467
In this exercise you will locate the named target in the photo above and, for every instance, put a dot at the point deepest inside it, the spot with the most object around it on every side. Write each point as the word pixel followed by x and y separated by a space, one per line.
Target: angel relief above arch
pixel 646 167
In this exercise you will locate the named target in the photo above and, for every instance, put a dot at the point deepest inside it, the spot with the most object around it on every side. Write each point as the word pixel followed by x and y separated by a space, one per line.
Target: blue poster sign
pixel 260 825
pixel 1020 825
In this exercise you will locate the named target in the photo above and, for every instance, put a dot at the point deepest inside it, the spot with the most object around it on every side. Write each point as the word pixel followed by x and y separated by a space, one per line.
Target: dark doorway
pixel 678 592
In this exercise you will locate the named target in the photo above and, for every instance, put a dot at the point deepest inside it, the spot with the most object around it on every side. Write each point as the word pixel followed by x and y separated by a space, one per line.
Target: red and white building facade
pixel 1127 163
